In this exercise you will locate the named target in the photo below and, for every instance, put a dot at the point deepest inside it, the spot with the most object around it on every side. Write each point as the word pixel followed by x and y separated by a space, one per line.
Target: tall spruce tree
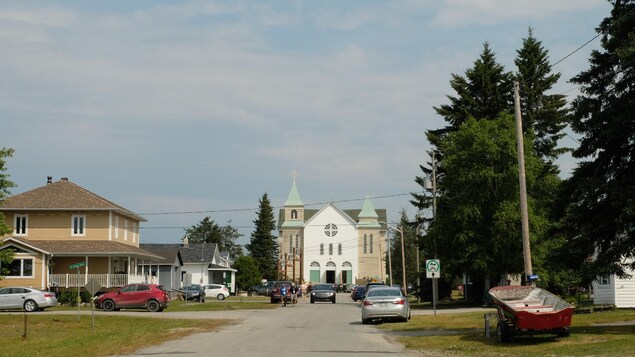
pixel 546 114
pixel 600 216
pixel 263 245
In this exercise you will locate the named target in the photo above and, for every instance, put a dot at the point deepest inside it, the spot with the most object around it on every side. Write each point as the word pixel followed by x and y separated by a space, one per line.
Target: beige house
pixel 65 236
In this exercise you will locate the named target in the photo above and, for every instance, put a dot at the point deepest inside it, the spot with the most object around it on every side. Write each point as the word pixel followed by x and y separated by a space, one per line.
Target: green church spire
pixel 294 197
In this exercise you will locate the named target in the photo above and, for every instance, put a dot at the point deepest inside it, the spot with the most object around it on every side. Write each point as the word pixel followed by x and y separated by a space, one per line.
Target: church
pixel 331 245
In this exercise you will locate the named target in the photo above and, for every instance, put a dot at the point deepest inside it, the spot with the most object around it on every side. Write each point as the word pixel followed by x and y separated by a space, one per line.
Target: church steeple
pixel 293 207
pixel 368 216
pixel 294 197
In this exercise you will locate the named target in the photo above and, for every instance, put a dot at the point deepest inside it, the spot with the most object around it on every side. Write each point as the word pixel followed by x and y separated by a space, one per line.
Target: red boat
pixel 528 310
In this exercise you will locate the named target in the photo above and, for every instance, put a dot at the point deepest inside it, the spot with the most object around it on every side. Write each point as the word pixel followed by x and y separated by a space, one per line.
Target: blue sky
pixel 197 108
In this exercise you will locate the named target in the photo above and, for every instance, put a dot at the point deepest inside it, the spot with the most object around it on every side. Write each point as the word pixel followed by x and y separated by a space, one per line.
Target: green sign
pixel 76 265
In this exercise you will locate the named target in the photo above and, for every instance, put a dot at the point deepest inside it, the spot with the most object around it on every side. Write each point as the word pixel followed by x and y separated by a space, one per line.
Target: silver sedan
pixel 385 303
pixel 29 299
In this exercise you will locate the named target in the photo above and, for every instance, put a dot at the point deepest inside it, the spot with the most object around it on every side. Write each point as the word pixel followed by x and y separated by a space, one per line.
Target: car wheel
pixel 30 306
pixel 254 293
pixel 220 297
pixel 273 301
pixel 365 321
pixel 153 306
pixel 312 301
pixel 333 301
pixel 109 305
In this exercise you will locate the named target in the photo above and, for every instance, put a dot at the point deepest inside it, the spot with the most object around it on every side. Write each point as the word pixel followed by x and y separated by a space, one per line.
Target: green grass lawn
pixel 463 334
pixel 66 335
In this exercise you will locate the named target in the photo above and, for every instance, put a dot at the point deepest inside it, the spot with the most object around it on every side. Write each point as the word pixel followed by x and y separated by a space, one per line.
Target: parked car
pixel 358 293
pixel 263 289
pixel 275 291
pixel 134 296
pixel 385 303
pixel 323 292
pixel 17 297
pixel 350 288
pixel 218 290
pixel 194 292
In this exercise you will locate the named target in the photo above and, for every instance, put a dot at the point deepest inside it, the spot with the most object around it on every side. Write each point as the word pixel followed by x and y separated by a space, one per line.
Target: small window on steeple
pixel 294 214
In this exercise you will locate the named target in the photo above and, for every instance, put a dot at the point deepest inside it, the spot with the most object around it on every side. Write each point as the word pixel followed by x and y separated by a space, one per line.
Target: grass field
pixel 463 334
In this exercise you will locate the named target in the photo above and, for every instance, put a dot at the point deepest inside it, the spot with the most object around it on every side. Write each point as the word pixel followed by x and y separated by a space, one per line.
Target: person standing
pixel 303 288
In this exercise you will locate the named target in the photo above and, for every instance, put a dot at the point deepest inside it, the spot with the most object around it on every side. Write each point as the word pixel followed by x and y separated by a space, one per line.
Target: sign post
pixel 79 299
pixel 92 287
pixel 433 271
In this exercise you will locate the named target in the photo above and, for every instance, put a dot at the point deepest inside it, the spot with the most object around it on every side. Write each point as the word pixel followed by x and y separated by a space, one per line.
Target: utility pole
pixel 524 216
pixel 418 262
pixel 435 282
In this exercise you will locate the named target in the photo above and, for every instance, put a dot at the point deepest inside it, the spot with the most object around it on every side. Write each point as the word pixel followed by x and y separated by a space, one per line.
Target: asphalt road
pixel 305 329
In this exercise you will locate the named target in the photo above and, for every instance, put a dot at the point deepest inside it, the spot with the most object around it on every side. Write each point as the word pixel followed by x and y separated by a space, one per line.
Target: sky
pixel 180 110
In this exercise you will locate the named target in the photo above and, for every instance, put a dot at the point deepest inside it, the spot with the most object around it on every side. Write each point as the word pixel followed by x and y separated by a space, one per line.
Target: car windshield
pixel 384 292
pixel 323 287
pixel 195 287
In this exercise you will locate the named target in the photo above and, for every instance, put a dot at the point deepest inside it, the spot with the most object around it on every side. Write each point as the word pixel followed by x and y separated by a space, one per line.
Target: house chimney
pixel 64 178
pixel 186 242
pixel 49 180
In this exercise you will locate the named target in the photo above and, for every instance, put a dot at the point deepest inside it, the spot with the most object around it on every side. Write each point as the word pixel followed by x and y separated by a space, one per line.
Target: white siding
pixel 625 292
pixel 604 294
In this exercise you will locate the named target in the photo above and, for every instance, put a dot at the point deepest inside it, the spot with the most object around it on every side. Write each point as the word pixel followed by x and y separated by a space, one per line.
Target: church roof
pixel 368 210
pixel 294 197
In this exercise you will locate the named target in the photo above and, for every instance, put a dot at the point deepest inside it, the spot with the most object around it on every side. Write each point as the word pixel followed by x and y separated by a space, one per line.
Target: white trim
pixel 82 228
pixel 25 226
pixel 110 222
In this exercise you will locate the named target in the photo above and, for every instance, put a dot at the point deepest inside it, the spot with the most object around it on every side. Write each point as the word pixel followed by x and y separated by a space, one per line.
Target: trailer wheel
pixel 564 332
pixel 502 333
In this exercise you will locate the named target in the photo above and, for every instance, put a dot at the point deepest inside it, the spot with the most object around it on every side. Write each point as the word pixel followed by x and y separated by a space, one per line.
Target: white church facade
pixel 331 245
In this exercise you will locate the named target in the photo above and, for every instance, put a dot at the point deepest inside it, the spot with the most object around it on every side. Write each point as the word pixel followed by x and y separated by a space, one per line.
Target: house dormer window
pixel 20 225
pixel 79 225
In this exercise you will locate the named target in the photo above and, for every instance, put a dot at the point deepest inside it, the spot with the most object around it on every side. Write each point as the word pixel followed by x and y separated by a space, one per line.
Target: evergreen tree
pixel 545 113
pixel 477 227
pixel 263 245
pixel 6 255
pixel 247 273
pixel 484 92
pixel 209 232
pixel 600 216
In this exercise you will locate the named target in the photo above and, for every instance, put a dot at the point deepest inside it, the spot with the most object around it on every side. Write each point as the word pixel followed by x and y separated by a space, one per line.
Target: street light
pixel 403 259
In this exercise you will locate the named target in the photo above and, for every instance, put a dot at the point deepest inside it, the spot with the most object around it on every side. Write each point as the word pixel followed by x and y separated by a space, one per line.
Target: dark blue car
pixel 359 293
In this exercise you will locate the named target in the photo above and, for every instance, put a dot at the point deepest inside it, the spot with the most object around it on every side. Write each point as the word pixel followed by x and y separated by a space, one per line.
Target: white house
pixel 612 290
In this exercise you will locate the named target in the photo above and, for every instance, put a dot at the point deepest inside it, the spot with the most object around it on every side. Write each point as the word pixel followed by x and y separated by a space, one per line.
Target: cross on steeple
pixel 294 174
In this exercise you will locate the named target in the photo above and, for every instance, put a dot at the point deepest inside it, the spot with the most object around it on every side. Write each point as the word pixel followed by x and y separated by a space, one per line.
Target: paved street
pixel 303 330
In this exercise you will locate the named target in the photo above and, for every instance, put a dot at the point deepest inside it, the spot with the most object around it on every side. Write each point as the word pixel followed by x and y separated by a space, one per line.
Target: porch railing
pixel 105 280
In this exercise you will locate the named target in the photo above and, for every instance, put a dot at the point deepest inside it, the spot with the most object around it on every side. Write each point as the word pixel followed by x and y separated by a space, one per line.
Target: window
pixel 339 249
pixel 604 280
pixel 125 229
pixel 79 225
pixel 330 248
pixel 371 244
pixel 21 223
pixel 20 268
pixel 321 248
pixel 116 227
pixel 290 244
pixel 294 214
pixel 365 243
pixel 134 232
pixel 297 241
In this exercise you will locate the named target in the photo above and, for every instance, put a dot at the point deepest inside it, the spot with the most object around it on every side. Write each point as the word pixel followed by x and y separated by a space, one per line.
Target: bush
pixel 69 297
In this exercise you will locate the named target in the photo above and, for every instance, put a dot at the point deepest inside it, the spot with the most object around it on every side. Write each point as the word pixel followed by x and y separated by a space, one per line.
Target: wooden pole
pixel 524 216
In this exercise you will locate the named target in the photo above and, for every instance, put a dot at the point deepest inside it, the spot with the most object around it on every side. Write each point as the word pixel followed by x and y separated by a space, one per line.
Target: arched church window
pixel 294 214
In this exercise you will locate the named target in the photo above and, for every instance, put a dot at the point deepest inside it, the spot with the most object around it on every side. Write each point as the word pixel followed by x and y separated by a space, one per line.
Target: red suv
pixel 142 296
pixel 275 291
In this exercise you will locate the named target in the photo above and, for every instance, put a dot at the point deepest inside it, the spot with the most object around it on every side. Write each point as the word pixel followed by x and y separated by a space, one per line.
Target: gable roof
pixel 170 252
pixel 63 195
pixel 190 253
pixel 81 248
pixel 352 213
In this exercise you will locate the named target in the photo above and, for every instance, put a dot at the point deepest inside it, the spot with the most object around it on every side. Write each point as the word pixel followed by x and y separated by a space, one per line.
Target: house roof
pixel 63 195
pixel 168 251
pixel 82 248
pixel 192 252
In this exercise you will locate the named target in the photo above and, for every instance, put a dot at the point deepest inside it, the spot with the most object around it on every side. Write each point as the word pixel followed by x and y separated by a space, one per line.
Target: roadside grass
pixel 463 334
pixel 65 335
pixel 230 303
